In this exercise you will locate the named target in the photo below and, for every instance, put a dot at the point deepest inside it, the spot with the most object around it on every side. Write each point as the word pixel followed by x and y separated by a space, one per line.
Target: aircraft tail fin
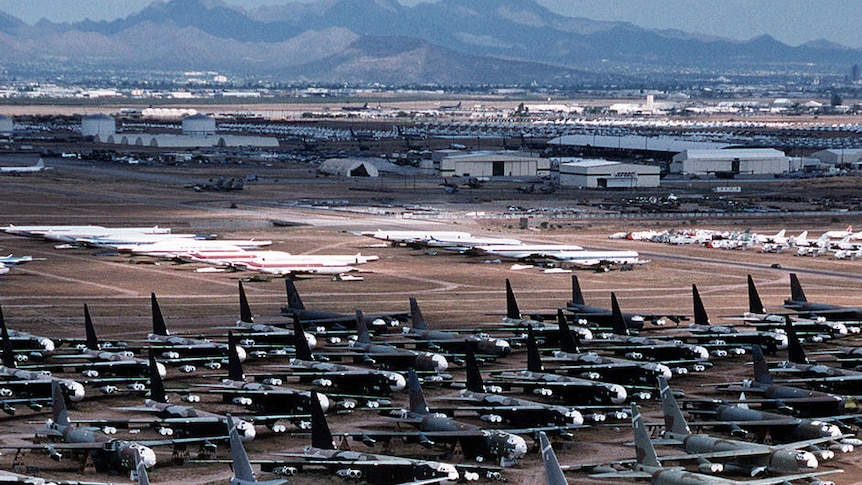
pixel 644 450
pixel 244 308
pixel 321 436
pixel 700 315
pixel 303 351
pixel 363 336
pixel 796 293
pixel 242 470
pixel 417 397
pixel 234 366
pixel 294 302
pixel 416 315
pixel 761 368
pixel 8 353
pixel 553 472
pixel 512 310
pixel 619 323
pixel 143 478
pixel 40 164
pixel 90 330
pixel 795 353
pixel 755 305
pixel 577 294
pixel 474 376
pixel 674 421
pixel 534 360
pixel 157 386
pixel 568 340
pixel 159 325
pixel 59 412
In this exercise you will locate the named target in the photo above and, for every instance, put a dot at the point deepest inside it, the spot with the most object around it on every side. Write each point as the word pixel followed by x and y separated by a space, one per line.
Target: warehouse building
pixel 98 125
pixel 605 174
pixel 730 162
pixel 491 164
pixel 199 131
pixel 851 157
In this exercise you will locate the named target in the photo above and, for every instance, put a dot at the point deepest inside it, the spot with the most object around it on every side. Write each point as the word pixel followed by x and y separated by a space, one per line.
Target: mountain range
pixel 381 41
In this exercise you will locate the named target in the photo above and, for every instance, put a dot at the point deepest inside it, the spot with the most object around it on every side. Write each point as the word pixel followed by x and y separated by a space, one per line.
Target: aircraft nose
pixel 664 371
pixel 76 391
pixel 618 394
pixel 47 344
pixel 397 382
pixel 241 353
pixel 148 456
pixel 806 460
pixel 520 447
pixel 575 417
pixel 161 369
pixel 324 401
pixel 701 352
pixel 246 430
pixel 440 363
pixel 311 339
pixel 503 347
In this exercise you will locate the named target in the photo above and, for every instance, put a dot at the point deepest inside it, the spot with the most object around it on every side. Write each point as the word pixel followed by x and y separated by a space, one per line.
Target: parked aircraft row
pixel 563 391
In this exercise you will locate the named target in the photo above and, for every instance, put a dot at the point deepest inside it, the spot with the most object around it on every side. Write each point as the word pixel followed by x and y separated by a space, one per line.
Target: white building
pixel 199 124
pixel 840 156
pixel 187 141
pixel 492 164
pixel 735 161
pixel 606 174
pixel 98 125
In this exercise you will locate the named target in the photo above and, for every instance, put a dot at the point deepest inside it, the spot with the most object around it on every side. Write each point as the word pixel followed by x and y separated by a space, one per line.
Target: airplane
pixel 242 472
pixel 251 332
pixel 476 442
pixel 321 318
pixel 517 320
pixel 37 167
pixel 799 303
pixel 738 457
pixel 393 357
pixel 778 238
pixel 117 362
pixel 176 247
pixel 415 238
pixel 11 260
pixel 36 346
pixel 360 380
pixel 604 316
pixel 495 407
pixel 758 317
pixel 649 467
pixel 812 403
pixel 553 473
pixel 4 269
pixel 292 404
pixel 572 389
pixel 375 469
pixel 534 251
pixel 599 367
pixel 30 382
pixel 482 343
pixel 721 335
pixel 173 346
pixel 107 453
pixel 171 419
pixel 637 348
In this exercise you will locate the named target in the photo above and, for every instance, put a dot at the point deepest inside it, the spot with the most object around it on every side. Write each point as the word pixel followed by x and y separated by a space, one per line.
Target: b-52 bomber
pixel 808 402
pixel 33 346
pixel 574 390
pixel 375 469
pixel 800 304
pixel 252 333
pixel 393 357
pixel 604 316
pixel 359 380
pixel 325 319
pixel 495 407
pixel 649 467
pixel 452 341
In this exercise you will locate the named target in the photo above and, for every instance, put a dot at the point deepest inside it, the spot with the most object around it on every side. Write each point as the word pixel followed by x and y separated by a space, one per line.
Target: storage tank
pixel 199 124
pixel 98 125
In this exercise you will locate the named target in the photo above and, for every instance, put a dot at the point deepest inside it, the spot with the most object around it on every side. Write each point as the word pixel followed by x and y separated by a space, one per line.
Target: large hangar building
pixel 606 174
pixel 491 164
pixel 731 162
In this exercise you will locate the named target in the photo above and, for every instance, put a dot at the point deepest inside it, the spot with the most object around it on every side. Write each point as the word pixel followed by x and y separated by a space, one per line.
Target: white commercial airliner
pixel 38 167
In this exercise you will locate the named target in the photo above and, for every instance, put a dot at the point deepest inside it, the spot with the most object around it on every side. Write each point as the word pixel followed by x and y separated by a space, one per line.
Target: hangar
pixel 730 162
pixel 605 174
pixel 348 167
pixel 840 156
pixel 493 164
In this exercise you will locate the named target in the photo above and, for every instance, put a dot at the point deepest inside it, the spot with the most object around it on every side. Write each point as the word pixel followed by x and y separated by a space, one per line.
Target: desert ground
pixel 454 291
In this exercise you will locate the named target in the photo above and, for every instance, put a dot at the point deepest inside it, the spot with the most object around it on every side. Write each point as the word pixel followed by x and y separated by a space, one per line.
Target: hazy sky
pixel 790 21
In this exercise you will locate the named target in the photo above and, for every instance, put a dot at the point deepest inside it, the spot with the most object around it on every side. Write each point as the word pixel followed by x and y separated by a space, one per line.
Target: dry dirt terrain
pixel 454 291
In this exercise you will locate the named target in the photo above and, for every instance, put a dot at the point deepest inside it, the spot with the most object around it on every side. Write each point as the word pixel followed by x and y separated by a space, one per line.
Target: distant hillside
pixel 450 41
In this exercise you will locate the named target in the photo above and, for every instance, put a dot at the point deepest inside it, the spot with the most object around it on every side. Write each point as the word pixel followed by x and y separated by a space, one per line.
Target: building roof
pixel 632 142
pixel 590 163
pixel 734 153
